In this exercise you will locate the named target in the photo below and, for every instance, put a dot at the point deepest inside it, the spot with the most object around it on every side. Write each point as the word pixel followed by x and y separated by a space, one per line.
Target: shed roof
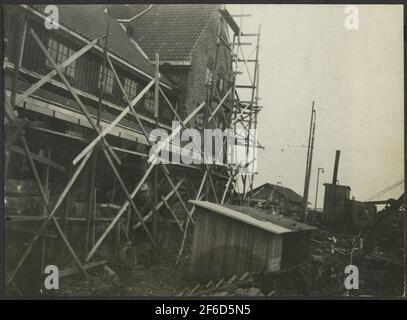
pixel 287 193
pixel 90 22
pixel 257 218
pixel 171 30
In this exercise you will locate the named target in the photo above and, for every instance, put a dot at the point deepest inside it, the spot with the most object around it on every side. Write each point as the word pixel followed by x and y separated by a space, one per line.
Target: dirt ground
pixel 155 274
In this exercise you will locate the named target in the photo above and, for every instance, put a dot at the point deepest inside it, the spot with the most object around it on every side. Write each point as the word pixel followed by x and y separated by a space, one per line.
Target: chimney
pixel 335 176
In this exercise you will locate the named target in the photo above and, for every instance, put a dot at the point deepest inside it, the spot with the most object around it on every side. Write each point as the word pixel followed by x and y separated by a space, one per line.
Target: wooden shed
pixel 231 240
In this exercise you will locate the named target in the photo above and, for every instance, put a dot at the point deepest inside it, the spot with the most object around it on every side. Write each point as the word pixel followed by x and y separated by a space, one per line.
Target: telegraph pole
pixel 309 157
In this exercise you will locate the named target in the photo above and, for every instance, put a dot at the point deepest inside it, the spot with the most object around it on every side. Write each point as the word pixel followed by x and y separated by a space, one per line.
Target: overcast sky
pixel 356 80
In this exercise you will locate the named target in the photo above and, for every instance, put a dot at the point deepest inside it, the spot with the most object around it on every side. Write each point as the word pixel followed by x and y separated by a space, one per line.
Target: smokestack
pixel 337 156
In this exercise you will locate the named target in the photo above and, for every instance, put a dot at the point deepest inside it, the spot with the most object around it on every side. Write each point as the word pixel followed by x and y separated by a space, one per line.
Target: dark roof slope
pixel 264 192
pixel 171 30
pixel 90 21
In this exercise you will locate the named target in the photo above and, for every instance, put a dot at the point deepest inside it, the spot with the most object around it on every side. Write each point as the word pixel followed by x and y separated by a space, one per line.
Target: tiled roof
pixel 264 192
pixel 171 30
pixel 126 11
pixel 90 22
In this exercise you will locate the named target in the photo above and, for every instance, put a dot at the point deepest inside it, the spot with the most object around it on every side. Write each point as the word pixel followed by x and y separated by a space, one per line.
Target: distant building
pixel 343 212
pixel 281 200
pixel 334 203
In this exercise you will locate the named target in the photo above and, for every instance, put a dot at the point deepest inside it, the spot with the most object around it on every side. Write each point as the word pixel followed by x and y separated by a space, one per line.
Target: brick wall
pixel 191 79
pixel 205 48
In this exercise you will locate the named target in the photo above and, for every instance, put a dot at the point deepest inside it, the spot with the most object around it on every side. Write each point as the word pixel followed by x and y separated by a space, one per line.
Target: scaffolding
pixel 243 115
pixel 244 112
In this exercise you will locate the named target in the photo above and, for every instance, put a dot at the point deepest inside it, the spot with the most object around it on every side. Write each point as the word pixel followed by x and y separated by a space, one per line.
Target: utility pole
pixel 316 192
pixel 309 157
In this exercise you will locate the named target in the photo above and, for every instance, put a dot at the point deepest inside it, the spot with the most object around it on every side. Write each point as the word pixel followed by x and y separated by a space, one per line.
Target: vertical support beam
pixel 102 87
pixel 44 212
pixel 18 51
pixel 156 86
pixel 50 216
pixel 123 208
pixel 68 202
pixel 156 112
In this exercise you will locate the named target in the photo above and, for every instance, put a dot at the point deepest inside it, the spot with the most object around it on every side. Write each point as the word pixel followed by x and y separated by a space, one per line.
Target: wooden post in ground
pixel 51 216
pixel 102 87
pixel 44 212
pixel 156 113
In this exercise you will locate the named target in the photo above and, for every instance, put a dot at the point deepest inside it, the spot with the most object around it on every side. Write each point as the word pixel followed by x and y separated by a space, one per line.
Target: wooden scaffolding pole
pixel 50 216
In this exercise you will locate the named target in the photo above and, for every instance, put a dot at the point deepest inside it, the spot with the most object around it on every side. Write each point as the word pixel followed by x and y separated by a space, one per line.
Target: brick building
pixel 190 41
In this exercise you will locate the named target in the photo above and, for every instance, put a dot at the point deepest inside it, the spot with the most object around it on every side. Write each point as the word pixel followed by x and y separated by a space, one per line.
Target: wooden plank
pixel 172 213
pixel 165 142
pixel 49 217
pixel 40 159
pixel 112 124
pixel 30 230
pixel 52 73
pixel 72 91
pixel 120 213
pixel 73 270
pixel 159 205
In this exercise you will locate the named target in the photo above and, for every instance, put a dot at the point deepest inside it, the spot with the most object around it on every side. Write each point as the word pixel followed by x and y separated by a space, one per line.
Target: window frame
pixel 208 76
pixel 130 87
pixel 59 53
pixel 221 83
pixel 109 80
pixel 148 97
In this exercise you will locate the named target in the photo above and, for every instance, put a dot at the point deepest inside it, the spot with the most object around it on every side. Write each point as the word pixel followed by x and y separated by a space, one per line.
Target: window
pixel 209 72
pixel 108 79
pixel 149 101
pixel 60 53
pixel 130 87
pixel 208 76
pixel 220 84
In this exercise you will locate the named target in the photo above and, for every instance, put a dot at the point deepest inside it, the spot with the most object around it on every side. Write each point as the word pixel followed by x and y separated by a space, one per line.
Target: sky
pixel 355 78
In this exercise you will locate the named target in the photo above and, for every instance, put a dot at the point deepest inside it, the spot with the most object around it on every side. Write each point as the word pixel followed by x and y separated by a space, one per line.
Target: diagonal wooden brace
pixel 50 215
pixel 52 73
pixel 174 215
pixel 113 123
pixel 158 206
pixel 163 167
pixel 73 92
pixel 122 211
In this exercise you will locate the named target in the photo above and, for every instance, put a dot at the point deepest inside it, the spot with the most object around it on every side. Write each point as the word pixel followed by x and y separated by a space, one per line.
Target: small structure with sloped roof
pixel 281 200
pixel 231 240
